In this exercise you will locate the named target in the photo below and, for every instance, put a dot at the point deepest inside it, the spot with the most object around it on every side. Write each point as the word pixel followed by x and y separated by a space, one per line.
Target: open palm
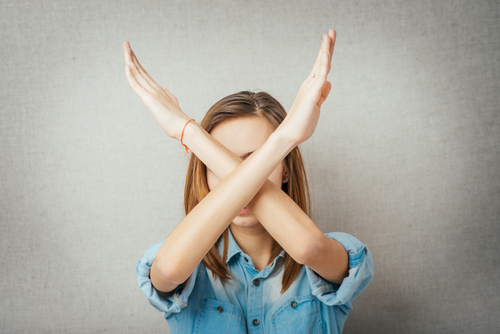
pixel 162 104
pixel 301 121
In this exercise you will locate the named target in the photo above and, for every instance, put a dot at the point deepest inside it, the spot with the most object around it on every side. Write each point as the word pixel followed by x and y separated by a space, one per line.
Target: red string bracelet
pixel 182 135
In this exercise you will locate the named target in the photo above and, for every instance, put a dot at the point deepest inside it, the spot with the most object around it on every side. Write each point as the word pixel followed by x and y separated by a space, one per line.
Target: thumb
pixel 325 90
pixel 172 97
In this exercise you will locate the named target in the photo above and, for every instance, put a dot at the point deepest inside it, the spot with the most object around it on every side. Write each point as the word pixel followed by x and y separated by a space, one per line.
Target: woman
pixel 247 258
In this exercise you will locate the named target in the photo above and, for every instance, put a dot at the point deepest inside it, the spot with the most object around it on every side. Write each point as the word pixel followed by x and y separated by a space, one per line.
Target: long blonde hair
pixel 246 104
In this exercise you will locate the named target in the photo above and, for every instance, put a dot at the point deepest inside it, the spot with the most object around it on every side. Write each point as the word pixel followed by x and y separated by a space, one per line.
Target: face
pixel 243 136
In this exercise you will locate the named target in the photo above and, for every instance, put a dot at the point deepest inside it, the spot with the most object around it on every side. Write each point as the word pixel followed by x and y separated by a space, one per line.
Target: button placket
pixel 255 305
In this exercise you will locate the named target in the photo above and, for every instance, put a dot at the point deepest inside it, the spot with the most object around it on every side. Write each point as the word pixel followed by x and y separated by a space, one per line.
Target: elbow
pixel 301 258
pixel 167 271
pixel 308 250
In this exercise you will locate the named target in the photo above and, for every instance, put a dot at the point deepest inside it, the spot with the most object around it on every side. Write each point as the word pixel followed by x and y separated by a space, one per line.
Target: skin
pixel 243 183
pixel 243 136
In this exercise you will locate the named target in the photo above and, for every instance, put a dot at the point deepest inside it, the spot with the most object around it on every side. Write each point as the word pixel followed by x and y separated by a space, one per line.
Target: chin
pixel 245 220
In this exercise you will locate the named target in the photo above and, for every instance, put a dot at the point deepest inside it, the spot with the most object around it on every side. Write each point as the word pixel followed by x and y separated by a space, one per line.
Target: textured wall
pixel 406 156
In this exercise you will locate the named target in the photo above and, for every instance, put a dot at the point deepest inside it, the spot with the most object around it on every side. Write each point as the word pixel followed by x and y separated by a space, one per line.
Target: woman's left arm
pixel 275 210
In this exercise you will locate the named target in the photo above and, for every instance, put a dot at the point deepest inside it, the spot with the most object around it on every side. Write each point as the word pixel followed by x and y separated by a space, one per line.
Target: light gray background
pixel 405 156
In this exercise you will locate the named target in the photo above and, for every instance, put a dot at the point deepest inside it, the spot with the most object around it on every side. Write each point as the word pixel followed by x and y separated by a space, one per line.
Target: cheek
pixel 276 176
pixel 212 180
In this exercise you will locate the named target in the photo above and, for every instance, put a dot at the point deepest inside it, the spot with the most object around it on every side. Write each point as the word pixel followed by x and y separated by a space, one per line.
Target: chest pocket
pixel 219 317
pixel 298 315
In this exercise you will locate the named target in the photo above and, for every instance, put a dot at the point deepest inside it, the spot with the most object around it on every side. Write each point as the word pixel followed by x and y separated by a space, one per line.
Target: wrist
pixel 191 130
pixel 181 125
pixel 284 142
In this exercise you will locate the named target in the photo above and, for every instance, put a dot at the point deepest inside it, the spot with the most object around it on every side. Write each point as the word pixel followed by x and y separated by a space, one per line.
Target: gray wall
pixel 405 156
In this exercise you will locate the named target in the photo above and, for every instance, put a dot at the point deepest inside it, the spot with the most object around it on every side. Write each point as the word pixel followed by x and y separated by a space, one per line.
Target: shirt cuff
pixel 171 304
pixel 360 274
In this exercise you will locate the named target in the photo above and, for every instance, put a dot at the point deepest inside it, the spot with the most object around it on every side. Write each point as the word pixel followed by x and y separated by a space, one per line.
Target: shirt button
pixel 256 322
pixel 220 309
pixel 246 260
pixel 293 304
pixel 256 282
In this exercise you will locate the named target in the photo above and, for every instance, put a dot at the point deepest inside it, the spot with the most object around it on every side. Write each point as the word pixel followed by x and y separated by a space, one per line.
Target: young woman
pixel 247 258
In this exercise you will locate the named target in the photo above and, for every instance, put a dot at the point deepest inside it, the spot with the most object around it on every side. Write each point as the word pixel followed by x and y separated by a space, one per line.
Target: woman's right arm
pixel 195 235
pixel 199 230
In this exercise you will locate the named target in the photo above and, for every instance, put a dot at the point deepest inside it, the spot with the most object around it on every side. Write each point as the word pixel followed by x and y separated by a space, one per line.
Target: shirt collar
pixel 234 249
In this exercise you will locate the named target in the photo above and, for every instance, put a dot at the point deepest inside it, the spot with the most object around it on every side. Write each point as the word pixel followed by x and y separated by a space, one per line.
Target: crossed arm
pixel 274 209
pixel 244 183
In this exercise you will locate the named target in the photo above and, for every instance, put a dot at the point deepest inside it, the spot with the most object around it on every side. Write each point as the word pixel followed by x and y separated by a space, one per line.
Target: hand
pixel 162 104
pixel 301 121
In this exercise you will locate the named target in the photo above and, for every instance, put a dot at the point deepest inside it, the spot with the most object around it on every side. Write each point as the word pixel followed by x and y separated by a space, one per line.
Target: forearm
pixel 186 246
pixel 215 156
pixel 285 221
pixel 273 208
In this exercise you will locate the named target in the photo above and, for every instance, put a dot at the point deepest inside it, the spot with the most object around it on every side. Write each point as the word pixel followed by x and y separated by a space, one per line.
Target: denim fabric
pixel 252 303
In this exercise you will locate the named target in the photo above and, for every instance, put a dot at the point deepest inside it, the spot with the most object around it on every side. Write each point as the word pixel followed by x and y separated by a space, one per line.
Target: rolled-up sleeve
pixel 175 302
pixel 360 274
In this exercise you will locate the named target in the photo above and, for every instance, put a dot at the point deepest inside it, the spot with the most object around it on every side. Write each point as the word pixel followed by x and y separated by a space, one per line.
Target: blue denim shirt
pixel 252 303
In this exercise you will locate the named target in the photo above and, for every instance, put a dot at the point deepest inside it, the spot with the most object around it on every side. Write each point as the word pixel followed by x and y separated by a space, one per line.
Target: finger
pixel 333 36
pixel 318 58
pixel 322 72
pixel 172 97
pixel 317 82
pixel 325 90
pixel 317 70
pixel 143 72
pixel 136 87
pixel 325 66
pixel 129 61
pixel 129 55
pixel 125 50
pixel 324 47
